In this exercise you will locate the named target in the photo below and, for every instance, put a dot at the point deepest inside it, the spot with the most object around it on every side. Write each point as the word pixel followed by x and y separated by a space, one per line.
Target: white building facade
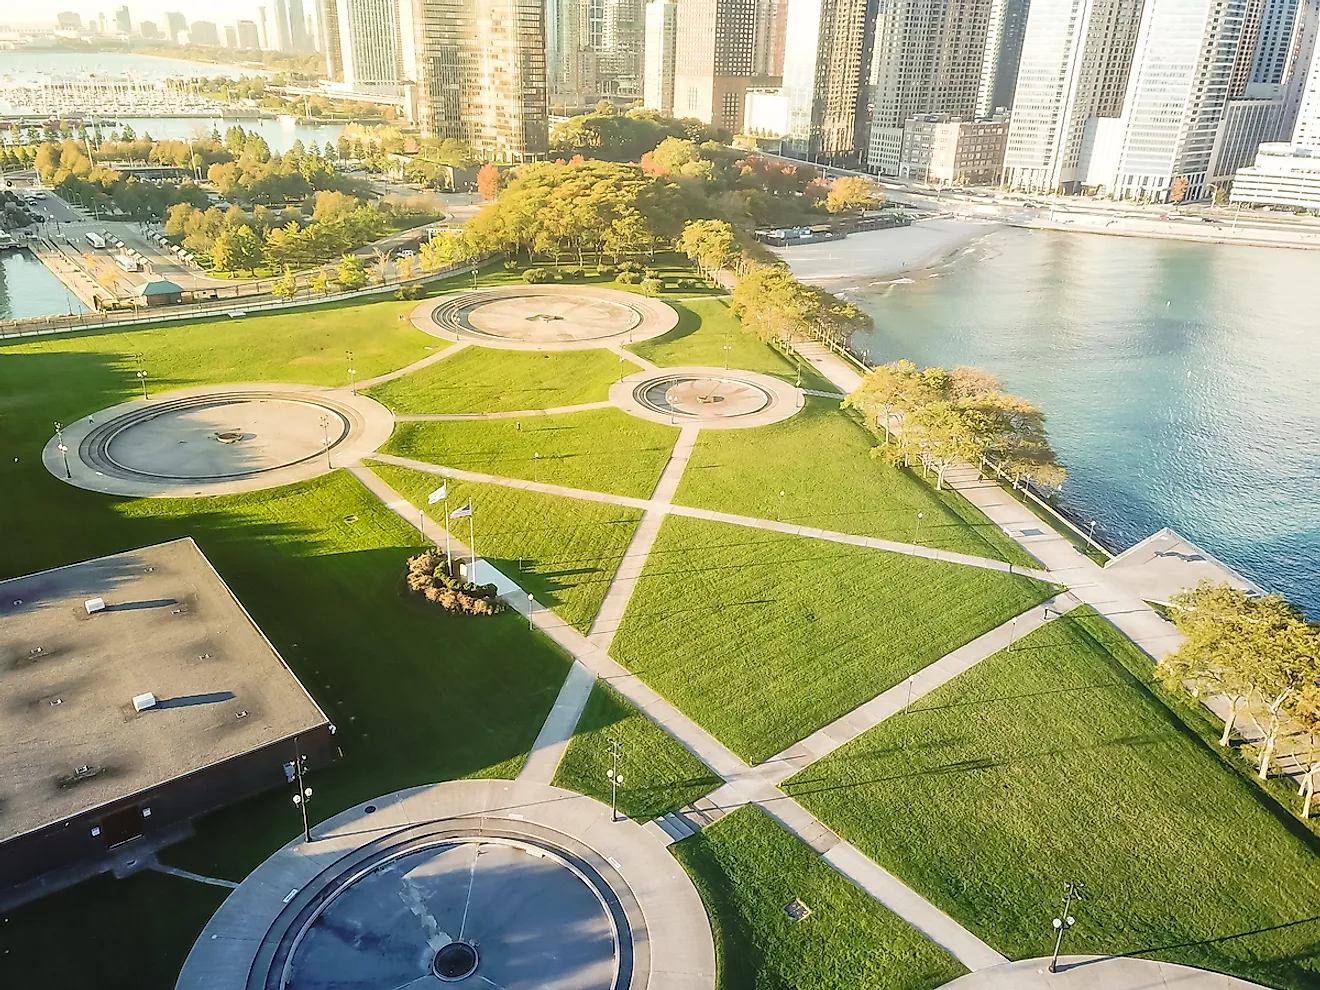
pixel 658 70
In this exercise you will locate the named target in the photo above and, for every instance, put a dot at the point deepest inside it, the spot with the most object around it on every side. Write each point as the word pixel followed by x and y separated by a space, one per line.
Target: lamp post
pixel 325 440
pixel 304 793
pixel 620 367
pixel 64 451
pixel 779 513
pixel 531 607
pixel 616 778
pixel 1090 536
pixel 536 467
pixel 142 376
pixel 352 373
pixel 916 532
pixel 1071 892
pixel 727 349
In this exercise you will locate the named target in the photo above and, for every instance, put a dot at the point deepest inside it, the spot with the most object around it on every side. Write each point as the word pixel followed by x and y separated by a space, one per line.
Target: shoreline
pixel 875 258
pixel 1169 230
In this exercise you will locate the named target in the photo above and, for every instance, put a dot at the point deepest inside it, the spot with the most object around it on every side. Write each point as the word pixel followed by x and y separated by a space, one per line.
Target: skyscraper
pixel 123 23
pixel 204 33
pixel 1301 51
pixel 1274 41
pixel 327 12
pixel 481 74
pixel 299 39
pixel 1003 55
pixel 283 42
pixel 247 35
pixel 718 57
pixel 929 56
pixel 175 25
pixel 231 36
pixel 1306 134
pixel 658 75
pixel 593 49
pixel 1178 90
pixel 1076 57
pixel 263 28
pixel 369 42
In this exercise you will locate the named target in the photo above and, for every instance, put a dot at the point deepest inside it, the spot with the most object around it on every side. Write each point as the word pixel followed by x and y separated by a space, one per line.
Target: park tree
pixel 286 286
pixel 1178 190
pixel 943 433
pixel 853 192
pixel 350 274
pixel 889 392
pixel 320 282
pixel 380 264
pixel 406 267
pixel 488 182
pixel 237 249
pixel 710 243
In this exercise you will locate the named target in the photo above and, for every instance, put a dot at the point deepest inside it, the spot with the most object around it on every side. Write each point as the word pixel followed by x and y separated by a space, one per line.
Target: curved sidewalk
pixel 1097 973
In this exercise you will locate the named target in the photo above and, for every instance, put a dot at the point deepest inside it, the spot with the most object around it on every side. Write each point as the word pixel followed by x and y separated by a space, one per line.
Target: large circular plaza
pixel 546 317
pixel 476 883
pixel 217 440
pixel 711 398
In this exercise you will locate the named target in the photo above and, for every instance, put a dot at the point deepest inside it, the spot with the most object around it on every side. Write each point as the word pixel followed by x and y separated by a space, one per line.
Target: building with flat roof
pixel 138 694
pixel 658 73
pixel 941 149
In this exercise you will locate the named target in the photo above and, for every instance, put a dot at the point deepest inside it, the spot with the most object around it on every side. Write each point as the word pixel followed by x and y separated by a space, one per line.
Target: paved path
pixel 430 359
pixel 654 504
pixel 847 727
pixel 628 355
pixel 745 784
pixel 553 739
pixel 1097 973
pixel 515 414
pixel 174 871
pixel 615 603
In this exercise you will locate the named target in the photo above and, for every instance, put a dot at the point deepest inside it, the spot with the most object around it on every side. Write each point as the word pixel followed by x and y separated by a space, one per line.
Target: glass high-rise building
pixel 658 69
pixel 826 49
pixel 481 75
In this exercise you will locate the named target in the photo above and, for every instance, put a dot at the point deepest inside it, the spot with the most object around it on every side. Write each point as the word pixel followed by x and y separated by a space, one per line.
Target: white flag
pixel 436 495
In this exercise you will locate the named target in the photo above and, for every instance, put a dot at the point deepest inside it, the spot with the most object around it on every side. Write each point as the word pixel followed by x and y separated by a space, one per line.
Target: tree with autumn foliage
pixel 488 182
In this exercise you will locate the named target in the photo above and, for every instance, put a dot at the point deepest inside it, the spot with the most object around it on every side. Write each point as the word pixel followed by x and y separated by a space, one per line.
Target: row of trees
pixel 235 240
pixel 939 417
pixel 1256 653
pixel 580 208
pixel 610 134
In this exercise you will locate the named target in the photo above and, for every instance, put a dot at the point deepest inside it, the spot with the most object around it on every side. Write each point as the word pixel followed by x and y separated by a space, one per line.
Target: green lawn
pixel 659 775
pixel 417 695
pixel 145 923
pixel 1051 763
pixel 747 868
pixel 483 380
pixel 564 551
pixel 763 638
pixel 603 450
pixel 821 460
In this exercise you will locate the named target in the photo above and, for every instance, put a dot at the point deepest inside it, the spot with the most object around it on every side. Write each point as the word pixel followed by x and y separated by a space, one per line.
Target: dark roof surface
pixel 170 627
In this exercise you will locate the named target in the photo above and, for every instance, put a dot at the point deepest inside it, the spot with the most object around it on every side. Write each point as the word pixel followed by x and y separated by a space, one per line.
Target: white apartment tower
pixel 1178 90
pixel 369 42
pixel 658 72
pixel 1075 62
pixel 1306 134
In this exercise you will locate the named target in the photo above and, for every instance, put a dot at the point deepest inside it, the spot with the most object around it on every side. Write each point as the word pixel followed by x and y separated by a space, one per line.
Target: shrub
pixel 405 292
pixel 573 274
pixel 536 276
pixel 511 266
pixel 605 271
pixel 559 276
pixel 429 575
pixel 630 278
pixel 630 266
pixel 653 286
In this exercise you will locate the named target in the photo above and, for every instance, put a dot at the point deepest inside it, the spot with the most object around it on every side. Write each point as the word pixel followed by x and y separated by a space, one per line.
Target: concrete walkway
pixel 1097 973
pixel 430 359
pixel 745 784
pixel 655 504
pixel 515 414
pixel 553 739
pixel 900 697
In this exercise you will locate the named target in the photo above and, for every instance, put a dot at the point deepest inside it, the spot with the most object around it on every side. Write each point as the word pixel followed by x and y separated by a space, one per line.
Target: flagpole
pixel 472 543
pixel 449 558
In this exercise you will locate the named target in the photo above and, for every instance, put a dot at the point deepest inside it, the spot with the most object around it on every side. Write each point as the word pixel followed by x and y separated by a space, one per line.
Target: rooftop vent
pixel 94 605
pixel 144 701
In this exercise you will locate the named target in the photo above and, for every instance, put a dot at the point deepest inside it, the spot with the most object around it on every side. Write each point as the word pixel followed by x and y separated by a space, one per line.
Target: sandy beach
pixel 876 255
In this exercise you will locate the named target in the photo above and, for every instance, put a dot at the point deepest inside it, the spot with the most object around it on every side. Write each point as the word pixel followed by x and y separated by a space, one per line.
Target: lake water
pixel 28 289
pixel 1181 381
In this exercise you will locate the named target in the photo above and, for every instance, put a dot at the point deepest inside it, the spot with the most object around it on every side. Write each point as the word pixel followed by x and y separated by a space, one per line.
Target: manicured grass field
pixel 763 638
pixel 417 695
pixel 483 380
pixel 821 460
pixel 659 775
pixel 603 450
pixel 131 934
pixel 747 868
pixel 1053 763
pixel 564 551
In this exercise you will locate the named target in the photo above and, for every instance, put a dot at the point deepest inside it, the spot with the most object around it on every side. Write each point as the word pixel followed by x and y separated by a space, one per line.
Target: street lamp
pixel 142 376
pixel 616 778
pixel 536 465
pixel 779 515
pixel 304 793
pixel 727 349
pixel 1071 892
pixel 59 433
pixel 352 373
pixel 916 532
pixel 1090 537
pixel 325 440
pixel 531 607
pixel 620 367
